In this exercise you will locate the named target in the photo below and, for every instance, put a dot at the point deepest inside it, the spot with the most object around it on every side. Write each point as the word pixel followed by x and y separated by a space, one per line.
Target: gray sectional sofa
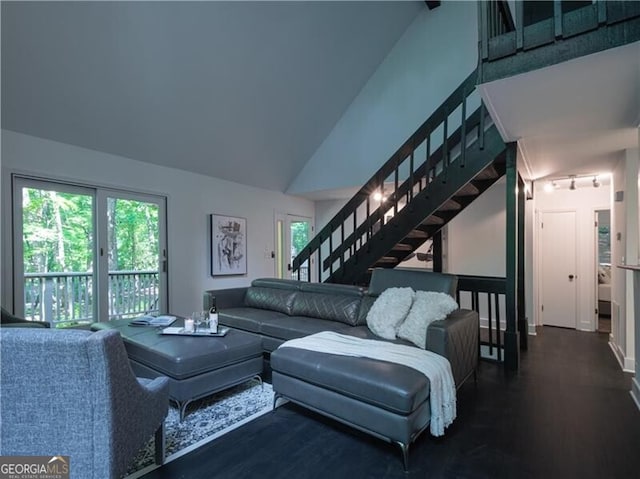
pixel 390 401
pixel 278 310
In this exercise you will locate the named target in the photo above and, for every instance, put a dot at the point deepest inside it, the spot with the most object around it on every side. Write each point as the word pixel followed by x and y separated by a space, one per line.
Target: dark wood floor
pixel 567 414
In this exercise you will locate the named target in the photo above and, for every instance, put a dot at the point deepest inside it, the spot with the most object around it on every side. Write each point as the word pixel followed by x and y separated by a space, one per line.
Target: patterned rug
pixel 206 419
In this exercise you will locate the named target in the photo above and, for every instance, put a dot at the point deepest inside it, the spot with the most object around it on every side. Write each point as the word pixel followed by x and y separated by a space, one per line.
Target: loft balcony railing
pixel 426 156
pixel 589 26
pixel 68 298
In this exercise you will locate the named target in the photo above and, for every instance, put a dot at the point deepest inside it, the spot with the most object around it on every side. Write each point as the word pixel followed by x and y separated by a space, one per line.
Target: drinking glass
pixel 197 319
pixel 205 320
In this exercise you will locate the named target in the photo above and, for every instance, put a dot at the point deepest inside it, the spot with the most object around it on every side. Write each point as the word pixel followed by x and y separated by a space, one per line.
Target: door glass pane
pixel 299 237
pixel 280 248
pixel 133 257
pixel 604 237
pixel 58 239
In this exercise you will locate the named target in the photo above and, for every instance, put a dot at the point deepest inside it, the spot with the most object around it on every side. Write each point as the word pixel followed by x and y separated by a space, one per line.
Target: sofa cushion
pixel 389 310
pixel 248 319
pixel 273 299
pixel 365 306
pixel 364 332
pixel 419 280
pixel 290 327
pixel 277 283
pixel 333 307
pixel 428 306
pixel 387 385
pixel 334 289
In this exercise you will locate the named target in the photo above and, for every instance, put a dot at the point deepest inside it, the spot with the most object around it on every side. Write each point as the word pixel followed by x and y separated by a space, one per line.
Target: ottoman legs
pixel 405 454
pixel 182 405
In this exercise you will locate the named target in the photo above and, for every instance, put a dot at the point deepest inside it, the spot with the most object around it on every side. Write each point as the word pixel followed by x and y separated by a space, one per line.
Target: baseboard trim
pixel 635 392
pixel 484 324
pixel 626 364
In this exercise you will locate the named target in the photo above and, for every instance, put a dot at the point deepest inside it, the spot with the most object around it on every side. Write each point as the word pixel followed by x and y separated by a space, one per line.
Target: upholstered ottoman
pixel 387 400
pixel 196 366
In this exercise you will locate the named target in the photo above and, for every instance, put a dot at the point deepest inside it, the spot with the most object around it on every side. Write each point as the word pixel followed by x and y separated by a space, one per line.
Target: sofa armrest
pixel 456 338
pixel 225 298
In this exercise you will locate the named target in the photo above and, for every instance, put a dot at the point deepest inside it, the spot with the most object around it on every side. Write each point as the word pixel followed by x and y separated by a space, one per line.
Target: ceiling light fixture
pixel 379 196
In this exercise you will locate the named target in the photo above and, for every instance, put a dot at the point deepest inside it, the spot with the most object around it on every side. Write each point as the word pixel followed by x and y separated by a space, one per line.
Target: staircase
pixel 443 167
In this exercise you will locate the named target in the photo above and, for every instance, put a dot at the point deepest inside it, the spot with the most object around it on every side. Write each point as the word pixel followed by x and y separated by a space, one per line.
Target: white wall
pixel 624 220
pixel 476 238
pixel 437 52
pixel 585 200
pixel 190 199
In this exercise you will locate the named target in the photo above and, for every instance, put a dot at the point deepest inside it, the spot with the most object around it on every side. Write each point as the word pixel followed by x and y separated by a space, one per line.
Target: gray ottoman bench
pixel 196 366
pixel 387 400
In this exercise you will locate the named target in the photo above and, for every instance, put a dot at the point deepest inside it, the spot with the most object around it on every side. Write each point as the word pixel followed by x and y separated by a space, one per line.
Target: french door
pixel 292 235
pixel 85 254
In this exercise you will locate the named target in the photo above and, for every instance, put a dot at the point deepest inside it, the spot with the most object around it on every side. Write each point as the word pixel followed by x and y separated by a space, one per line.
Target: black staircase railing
pixel 486 296
pixel 425 156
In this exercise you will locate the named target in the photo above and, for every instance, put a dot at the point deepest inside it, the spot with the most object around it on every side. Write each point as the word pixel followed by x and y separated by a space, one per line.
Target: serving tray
pixel 179 331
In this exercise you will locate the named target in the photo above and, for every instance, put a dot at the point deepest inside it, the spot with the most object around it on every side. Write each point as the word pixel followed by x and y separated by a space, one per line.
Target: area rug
pixel 206 419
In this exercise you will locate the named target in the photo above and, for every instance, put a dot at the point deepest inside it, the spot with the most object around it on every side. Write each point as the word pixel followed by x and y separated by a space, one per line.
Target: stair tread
pixel 433 220
pixel 403 247
pixel 450 205
pixel 388 259
pixel 489 173
pixel 417 234
pixel 468 190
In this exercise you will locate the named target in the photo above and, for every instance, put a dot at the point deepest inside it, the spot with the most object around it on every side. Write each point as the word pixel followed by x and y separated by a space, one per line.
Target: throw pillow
pixel 428 306
pixel 389 310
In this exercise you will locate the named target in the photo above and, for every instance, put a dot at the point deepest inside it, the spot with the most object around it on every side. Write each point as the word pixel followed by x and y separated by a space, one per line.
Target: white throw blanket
pixel 435 367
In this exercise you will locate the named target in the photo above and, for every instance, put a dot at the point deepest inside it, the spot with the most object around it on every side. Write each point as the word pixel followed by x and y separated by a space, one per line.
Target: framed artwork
pixel 228 245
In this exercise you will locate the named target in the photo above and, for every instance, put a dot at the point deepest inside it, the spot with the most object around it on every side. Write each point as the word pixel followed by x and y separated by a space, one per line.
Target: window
pixel 82 254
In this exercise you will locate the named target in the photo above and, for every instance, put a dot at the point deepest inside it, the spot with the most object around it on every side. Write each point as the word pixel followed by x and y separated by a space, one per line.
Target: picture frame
pixel 228 245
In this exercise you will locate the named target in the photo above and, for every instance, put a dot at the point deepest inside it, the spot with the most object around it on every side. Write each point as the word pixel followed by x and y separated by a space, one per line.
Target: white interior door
pixel 558 278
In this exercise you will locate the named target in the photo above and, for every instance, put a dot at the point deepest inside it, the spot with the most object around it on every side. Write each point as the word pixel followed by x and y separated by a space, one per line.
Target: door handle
pixel 571 277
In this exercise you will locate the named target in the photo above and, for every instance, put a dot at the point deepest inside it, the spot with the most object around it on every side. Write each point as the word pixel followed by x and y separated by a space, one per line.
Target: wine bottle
pixel 213 316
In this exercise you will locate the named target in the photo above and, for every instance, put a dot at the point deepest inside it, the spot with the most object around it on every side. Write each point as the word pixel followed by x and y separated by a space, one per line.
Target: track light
pixel 560 181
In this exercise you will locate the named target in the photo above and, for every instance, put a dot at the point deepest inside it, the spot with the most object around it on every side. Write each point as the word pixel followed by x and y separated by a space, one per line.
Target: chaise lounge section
pixel 387 400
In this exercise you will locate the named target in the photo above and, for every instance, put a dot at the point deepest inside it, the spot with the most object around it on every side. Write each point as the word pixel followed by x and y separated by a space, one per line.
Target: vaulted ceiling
pixel 244 91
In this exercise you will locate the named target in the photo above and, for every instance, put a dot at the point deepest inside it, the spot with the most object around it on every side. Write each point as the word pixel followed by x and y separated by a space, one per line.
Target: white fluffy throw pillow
pixel 389 310
pixel 428 306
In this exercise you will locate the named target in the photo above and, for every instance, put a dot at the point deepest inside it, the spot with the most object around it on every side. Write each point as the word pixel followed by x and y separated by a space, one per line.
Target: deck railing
pixel 59 298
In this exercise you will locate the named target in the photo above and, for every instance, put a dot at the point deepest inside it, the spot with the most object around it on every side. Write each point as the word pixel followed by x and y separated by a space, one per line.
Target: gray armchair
pixel 8 320
pixel 73 393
